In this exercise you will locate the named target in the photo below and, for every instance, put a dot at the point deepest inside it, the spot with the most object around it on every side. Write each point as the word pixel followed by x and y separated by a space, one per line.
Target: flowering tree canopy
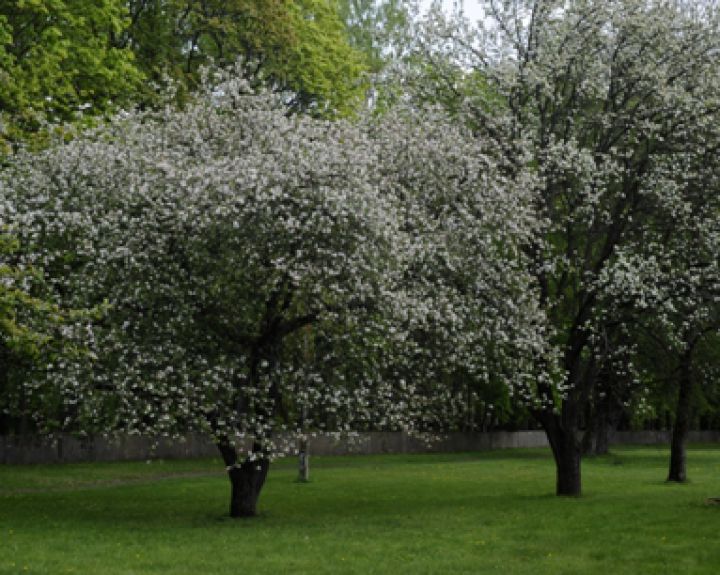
pixel 266 272
pixel 617 104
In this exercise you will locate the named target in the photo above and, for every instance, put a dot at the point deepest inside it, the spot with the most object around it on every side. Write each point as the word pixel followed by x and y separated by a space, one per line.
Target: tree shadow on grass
pixel 203 503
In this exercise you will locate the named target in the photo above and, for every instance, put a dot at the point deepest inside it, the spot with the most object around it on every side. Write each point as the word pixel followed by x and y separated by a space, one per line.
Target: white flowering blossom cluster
pixel 266 272
pixel 473 314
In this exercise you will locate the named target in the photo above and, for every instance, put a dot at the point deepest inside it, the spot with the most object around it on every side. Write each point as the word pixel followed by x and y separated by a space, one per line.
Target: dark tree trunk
pixel 589 438
pixel 603 423
pixel 602 432
pixel 246 479
pixel 303 462
pixel 678 471
pixel 587 445
pixel 567 459
pixel 563 428
pixel 596 440
pixel 567 453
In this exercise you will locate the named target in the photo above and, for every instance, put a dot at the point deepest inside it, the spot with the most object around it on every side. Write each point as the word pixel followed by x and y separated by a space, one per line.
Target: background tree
pixel 376 28
pixel 72 61
pixel 676 258
pixel 57 58
pixel 604 96
pixel 475 321
pixel 300 47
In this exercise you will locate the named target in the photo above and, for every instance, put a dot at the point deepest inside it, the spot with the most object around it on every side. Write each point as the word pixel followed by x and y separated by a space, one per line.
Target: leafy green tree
pixel 56 59
pixel 297 46
pixel 33 331
pixel 271 272
pixel 218 233
pixel 375 27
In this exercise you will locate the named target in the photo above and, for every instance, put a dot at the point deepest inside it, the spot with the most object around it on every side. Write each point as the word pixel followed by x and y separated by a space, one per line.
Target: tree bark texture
pixel 681 426
pixel 246 479
pixel 567 453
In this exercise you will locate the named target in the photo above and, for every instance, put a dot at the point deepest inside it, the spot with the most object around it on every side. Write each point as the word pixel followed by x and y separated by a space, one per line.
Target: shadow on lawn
pixel 202 503
pixel 652 456
pixel 328 462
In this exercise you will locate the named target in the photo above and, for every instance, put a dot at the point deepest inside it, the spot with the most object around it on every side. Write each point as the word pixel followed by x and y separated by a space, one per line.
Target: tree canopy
pixel 615 106
pixel 64 61
pixel 266 271
pixel 57 58
pixel 298 46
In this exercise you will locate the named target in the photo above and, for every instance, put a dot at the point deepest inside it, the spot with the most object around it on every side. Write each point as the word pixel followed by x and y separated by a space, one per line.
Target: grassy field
pixel 474 513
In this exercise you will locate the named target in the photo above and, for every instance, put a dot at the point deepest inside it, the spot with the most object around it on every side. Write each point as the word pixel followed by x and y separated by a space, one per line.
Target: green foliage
pixel 298 46
pixel 457 90
pixel 33 332
pixel 57 57
pixel 322 69
pixel 18 337
pixel 373 27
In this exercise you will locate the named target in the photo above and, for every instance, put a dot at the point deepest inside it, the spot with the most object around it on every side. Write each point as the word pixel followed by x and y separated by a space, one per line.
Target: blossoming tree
pixel 268 273
pixel 610 99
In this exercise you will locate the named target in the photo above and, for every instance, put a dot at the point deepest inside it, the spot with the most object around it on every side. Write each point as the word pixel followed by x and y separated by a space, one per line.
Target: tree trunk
pixel 303 462
pixel 602 424
pixel 587 445
pixel 602 433
pixel 589 440
pixel 567 460
pixel 567 453
pixel 678 471
pixel 246 479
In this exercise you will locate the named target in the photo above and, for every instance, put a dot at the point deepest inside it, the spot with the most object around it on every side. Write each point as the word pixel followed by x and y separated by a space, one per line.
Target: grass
pixel 491 512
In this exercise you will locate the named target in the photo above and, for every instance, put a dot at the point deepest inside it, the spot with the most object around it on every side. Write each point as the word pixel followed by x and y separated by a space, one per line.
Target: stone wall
pixel 67 449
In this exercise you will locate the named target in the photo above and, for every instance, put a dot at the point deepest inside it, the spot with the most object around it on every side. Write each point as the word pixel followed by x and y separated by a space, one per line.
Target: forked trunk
pixel 678 456
pixel 246 478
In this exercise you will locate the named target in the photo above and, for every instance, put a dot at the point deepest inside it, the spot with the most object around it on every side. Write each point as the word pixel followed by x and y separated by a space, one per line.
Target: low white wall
pixel 66 449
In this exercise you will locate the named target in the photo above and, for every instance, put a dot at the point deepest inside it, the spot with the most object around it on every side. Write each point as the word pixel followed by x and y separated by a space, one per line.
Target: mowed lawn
pixel 492 512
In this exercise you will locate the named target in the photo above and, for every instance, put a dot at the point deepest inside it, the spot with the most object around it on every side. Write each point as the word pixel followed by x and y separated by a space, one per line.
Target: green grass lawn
pixel 491 512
